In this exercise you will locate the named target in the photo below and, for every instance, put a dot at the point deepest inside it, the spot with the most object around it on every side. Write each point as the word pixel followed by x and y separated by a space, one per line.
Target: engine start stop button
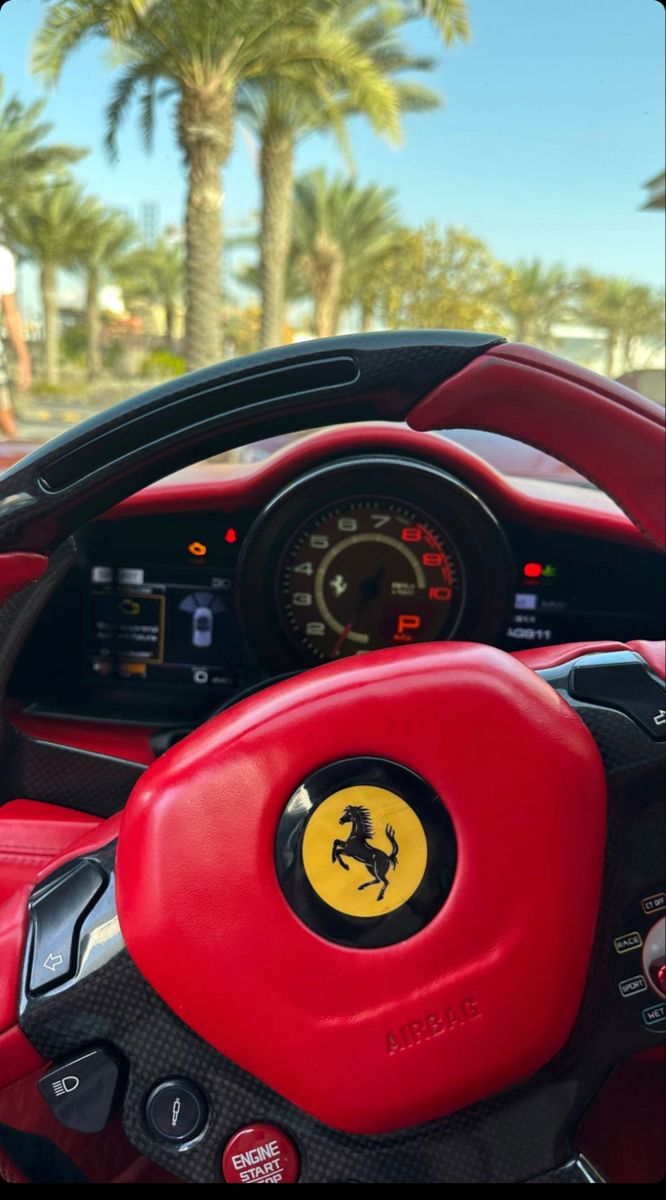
pixel 260 1154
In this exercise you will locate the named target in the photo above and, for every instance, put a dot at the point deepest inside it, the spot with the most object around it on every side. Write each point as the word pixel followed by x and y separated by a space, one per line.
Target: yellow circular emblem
pixel 364 851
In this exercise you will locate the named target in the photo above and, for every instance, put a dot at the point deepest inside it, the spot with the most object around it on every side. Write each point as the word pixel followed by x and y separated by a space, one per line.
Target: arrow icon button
pixel 53 961
pixel 57 911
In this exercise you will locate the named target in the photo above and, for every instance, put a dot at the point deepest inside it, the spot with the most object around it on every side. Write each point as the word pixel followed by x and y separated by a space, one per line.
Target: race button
pixel 260 1154
pixel 176 1110
pixel 628 941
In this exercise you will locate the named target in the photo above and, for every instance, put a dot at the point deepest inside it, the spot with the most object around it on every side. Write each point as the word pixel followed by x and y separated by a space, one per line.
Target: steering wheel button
pixel 654 1017
pixel 630 987
pixel 176 1110
pixel 56 914
pixel 82 1092
pixel 627 687
pixel 653 904
pixel 628 941
pixel 260 1154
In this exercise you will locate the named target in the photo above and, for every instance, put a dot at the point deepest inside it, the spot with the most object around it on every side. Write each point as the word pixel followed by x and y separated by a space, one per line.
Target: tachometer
pixel 368 573
pixel 371 552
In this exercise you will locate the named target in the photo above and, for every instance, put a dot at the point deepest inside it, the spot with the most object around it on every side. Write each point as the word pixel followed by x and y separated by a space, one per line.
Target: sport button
pixel 260 1154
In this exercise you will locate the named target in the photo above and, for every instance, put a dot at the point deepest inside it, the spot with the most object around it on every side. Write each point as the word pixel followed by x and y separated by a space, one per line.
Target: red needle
pixel 343 636
pixel 368 590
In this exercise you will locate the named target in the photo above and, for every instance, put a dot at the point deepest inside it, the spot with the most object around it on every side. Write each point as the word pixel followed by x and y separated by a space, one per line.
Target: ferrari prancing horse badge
pixel 365 852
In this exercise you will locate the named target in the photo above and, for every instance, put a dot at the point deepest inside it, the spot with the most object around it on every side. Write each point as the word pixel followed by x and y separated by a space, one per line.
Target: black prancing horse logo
pixel 358 847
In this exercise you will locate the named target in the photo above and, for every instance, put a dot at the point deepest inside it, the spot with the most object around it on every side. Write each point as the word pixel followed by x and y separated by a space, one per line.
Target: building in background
pixel 149 221
pixel 656 193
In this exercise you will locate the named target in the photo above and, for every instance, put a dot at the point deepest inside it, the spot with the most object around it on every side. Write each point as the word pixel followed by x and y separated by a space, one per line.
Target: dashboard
pixel 204 588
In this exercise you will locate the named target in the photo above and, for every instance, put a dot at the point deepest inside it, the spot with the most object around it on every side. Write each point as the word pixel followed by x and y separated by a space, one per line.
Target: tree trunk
pixel 366 317
pixel 205 133
pixel 277 185
pixel 325 268
pixel 169 319
pixel 610 354
pixel 203 248
pixel 93 323
pixel 327 302
pixel 49 288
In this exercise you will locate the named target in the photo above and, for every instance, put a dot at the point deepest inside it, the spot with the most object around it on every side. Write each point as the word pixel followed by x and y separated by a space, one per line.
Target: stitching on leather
pixel 24 858
pixel 6 848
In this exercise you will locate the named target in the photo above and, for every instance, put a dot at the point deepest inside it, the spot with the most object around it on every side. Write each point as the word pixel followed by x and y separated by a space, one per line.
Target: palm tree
pixel 103 237
pixel 48 228
pixel 204 53
pixel 339 229
pixel 154 274
pixel 625 311
pixel 535 297
pixel 27 159
pixel 366 55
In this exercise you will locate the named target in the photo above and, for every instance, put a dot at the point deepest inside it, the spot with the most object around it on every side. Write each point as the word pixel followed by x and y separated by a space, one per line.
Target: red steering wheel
pixel 452 1022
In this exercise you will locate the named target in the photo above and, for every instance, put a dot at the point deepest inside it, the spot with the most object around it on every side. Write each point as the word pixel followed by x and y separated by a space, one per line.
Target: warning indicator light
pixel 532 570
pixel 198 549
pixel 231 535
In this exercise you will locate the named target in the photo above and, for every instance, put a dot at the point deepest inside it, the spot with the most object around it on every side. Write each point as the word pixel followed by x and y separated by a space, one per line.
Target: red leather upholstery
pixel 17 569
pixel 205 921
pixel 13 923
pixel 131 742
pixel 577 416
pixel 32 834
pixel 225 490
pixel 654 654
pixel 17 1056
pixel 103 833
pixel 543 657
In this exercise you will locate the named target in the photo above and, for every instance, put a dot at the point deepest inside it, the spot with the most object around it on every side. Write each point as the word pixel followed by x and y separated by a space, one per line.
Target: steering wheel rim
pixel 434 380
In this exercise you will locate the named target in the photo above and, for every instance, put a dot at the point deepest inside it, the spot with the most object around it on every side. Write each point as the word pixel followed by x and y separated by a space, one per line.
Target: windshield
pixel 183 181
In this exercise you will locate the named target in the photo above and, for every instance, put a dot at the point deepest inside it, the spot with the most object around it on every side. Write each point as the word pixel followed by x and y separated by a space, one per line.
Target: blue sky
pixel 553 119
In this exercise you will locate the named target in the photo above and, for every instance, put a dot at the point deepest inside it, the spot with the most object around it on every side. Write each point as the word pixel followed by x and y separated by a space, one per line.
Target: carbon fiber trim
pixel 505 1139
pixel 579 1170
pixel 64 775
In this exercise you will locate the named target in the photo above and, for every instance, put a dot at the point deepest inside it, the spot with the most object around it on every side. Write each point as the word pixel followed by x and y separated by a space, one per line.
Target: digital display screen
pixel 180 630
pixel 571 589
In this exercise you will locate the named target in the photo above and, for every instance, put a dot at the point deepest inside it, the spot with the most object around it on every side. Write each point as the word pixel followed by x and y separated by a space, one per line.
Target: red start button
pixel 260 1154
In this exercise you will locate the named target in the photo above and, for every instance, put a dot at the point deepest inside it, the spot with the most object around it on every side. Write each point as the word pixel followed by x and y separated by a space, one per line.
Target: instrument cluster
pixel 169 615
pixel 372 552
